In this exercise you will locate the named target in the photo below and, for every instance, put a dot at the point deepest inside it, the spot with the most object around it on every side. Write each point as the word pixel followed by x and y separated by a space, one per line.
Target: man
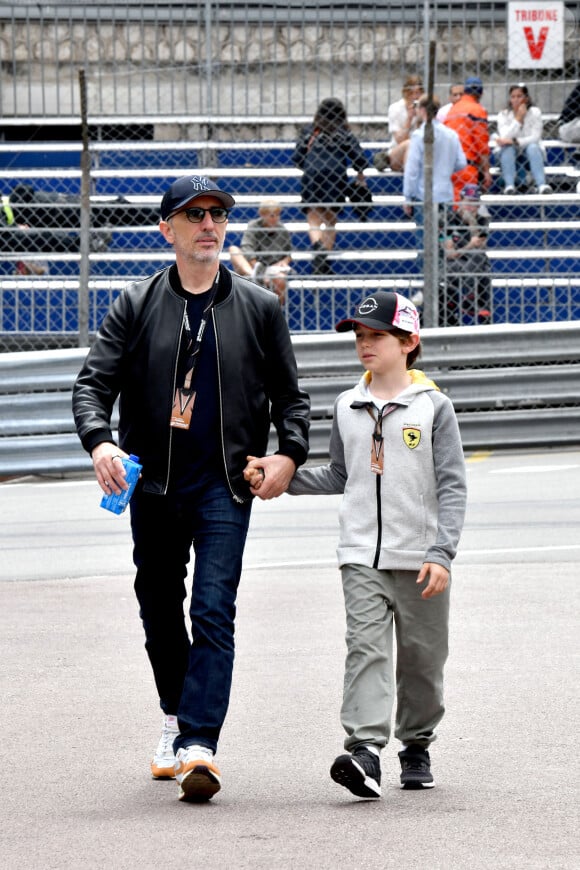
pixel 448 157
pixel 266 250
pixel 455 93
pixel 467 297
pixel 469 120
pixel 202 360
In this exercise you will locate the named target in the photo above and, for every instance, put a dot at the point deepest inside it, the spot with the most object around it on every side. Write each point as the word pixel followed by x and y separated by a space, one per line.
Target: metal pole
pixel 84 265
pixel 430 227
pixel 208 59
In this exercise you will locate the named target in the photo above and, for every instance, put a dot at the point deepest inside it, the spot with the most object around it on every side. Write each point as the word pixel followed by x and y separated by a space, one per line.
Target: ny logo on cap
pixel 199 183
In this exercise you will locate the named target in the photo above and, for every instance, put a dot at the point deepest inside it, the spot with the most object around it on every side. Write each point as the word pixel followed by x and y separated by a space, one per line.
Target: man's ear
pixel 166 231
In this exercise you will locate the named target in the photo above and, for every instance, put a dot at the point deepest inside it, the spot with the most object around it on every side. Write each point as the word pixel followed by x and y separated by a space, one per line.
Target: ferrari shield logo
pixel 411 437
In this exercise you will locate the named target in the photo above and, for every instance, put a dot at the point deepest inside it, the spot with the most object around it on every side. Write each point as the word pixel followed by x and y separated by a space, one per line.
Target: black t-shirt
pixel 196 453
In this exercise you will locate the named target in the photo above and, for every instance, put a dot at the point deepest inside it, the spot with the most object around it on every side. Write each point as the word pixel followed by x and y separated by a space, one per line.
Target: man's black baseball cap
pixel 188 188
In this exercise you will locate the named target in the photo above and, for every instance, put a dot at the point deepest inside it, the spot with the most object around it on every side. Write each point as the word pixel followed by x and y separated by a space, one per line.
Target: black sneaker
pixel 415 767
pixel 360 772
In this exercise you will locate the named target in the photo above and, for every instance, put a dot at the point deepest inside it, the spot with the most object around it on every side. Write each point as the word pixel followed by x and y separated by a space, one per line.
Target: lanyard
pixel 194 347
pixel 377 444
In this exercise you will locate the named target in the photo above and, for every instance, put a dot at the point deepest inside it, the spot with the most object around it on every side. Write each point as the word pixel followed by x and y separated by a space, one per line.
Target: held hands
pixel 269 476
pixel 438 579
pixel 109 470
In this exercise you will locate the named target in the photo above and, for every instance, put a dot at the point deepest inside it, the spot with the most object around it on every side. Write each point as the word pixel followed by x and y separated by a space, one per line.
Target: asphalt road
pixel 81 720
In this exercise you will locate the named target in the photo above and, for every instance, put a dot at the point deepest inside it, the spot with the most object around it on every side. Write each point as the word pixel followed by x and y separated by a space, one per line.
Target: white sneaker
pixel 510 189
pixel 544 188
pixel 198 777
pixel 163 764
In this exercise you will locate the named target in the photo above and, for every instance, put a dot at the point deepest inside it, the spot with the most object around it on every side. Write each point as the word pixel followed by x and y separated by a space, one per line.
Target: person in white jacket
pixel 396 455
pixel 519 140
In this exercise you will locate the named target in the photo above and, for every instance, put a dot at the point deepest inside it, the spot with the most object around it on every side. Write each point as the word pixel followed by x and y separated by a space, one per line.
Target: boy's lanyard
pixel 377 443
pixel 184 396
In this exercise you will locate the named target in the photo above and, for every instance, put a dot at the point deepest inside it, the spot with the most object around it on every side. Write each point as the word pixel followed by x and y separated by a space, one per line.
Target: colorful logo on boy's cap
pixel 406 316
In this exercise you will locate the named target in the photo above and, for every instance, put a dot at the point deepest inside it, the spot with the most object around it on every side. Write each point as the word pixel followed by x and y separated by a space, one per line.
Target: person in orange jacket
pixel 469 119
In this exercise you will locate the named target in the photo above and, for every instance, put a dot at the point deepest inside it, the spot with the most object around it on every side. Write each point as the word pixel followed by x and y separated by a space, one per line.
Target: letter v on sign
pixel 536 48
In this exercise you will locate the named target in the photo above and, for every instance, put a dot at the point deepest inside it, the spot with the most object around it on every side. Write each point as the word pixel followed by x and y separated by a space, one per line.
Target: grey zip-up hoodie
pixel 414 511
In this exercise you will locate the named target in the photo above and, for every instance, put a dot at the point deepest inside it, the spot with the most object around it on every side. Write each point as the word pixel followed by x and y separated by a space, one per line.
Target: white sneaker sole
pixel 346 771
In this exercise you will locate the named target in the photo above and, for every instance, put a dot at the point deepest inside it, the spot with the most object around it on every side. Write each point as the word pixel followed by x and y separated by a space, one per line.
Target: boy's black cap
pixel 385 311
pixel 190 187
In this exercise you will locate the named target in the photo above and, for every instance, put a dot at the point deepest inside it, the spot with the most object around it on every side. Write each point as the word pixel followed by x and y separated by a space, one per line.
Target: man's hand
pixel 109 470
pixel 438 579
pixel 278 471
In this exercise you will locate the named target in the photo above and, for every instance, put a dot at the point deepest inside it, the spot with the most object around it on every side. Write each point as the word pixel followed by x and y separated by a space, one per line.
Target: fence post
pixel 430 234
pixel 208 59
pixel 84 265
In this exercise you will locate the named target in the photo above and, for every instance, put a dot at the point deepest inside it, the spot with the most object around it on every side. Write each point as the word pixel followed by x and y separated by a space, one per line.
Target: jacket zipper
pixel 235 497
pixel 170 445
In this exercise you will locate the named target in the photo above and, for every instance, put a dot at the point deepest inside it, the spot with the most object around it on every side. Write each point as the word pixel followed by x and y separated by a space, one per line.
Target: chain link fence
pixel 231 91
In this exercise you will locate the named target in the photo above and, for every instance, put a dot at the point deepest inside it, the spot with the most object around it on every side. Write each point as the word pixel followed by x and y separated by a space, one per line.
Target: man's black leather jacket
pixel 135 356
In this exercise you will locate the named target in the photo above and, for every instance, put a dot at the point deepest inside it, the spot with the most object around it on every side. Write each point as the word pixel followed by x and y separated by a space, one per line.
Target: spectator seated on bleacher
pixel 569 120
pixel 403 120
pixel 469 118
pixel 518 143
pixel 266 250
pixel 466 296
pixel 18 237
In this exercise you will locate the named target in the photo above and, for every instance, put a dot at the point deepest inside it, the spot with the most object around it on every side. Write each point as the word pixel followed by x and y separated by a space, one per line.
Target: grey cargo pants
pixel 378 601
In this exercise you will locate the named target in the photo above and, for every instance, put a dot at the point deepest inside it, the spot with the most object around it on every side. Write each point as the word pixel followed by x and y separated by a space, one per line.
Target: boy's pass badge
pixel 377 454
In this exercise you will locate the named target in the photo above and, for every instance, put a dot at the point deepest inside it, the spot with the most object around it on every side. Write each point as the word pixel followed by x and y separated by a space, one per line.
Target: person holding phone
pixel 519 141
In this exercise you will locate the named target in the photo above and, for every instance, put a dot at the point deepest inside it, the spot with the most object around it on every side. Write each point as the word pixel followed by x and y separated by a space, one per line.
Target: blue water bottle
pixel 118 503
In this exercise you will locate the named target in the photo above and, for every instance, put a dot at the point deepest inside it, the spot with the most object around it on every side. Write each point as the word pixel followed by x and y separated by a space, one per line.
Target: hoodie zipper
pixel 379 522
pixel 386 409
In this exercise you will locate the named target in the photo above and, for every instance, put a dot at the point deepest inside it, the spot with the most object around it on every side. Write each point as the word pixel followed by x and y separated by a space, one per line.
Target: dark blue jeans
pixel 193 679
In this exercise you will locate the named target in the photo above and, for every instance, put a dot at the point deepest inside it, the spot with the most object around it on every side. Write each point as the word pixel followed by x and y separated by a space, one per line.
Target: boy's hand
pixel 253 474
pixel 276 472
pixel 438 579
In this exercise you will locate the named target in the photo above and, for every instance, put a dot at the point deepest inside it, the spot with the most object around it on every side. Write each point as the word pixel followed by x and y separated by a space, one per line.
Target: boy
pixel 396 454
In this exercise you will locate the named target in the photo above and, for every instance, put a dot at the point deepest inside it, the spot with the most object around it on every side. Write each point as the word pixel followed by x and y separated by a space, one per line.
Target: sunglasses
pixel 196 214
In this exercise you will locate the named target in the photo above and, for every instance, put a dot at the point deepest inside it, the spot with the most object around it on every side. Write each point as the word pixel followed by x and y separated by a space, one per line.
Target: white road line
pixel 532 469
pixel 331 563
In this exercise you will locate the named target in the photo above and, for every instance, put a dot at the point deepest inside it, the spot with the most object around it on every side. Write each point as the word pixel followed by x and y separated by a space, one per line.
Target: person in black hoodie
pixel 323 152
